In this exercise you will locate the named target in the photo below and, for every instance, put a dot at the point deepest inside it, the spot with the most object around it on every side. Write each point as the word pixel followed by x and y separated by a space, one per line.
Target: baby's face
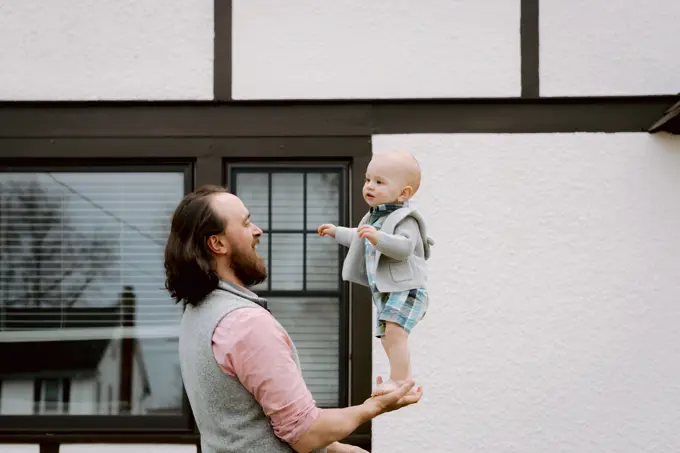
pixel 385 182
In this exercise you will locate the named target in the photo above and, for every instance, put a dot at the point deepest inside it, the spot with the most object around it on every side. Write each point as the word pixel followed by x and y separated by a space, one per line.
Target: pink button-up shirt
pixel 250 344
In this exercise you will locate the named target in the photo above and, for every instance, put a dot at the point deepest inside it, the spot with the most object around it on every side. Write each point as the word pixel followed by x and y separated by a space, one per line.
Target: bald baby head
pixel 391 177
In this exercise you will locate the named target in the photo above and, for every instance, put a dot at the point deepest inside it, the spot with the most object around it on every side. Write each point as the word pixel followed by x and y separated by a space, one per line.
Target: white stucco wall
pixel 375 49
pixel 554 283
pixel 604 47
pixel 19 448
pixel 106 49
pixel 127 448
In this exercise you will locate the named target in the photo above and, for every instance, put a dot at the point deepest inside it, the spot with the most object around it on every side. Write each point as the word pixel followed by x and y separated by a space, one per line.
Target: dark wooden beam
pixel 328 118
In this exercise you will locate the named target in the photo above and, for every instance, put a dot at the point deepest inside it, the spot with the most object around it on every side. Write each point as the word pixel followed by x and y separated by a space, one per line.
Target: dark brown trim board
pixel 529 31
pixel 361 310
pixel 212 121
pixel 222 52
pixel 669 122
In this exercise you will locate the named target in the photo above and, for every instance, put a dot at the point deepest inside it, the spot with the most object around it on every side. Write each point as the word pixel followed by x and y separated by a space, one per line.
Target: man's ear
pixel 218 244
pixel 406 193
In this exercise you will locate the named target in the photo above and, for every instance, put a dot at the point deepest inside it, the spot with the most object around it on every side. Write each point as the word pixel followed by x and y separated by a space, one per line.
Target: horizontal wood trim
pixel 328 118
pixel 178 149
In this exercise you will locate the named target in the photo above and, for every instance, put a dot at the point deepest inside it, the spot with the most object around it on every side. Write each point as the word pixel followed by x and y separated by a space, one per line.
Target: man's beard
pixel 249 267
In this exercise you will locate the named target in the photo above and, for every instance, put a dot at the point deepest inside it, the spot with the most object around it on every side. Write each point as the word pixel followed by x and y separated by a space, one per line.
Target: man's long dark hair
pixel 189 273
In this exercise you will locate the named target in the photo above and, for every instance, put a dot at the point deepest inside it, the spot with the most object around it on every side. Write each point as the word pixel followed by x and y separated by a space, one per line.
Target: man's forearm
pixel 333 425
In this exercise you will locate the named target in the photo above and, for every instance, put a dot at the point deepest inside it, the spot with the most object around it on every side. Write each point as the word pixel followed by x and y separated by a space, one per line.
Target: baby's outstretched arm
pixel 402 243
pixel 342 235
pixel 345 236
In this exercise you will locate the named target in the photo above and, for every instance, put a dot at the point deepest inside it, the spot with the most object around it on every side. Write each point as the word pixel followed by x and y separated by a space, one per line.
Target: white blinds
pixel 303 287
pixel 75 240
pixel 81 253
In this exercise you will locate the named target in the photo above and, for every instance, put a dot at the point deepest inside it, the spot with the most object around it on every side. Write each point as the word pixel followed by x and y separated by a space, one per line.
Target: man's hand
pixel 368 232
pixel 337 447
pixel 336 424
pixel 396 399
pixel 328 229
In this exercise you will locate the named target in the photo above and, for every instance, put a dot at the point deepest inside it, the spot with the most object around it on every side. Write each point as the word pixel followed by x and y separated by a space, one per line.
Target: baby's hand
pixel 327 229
pixel 368 232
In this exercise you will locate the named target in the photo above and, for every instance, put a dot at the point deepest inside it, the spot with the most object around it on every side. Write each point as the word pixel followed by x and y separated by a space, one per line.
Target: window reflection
pixel 86 327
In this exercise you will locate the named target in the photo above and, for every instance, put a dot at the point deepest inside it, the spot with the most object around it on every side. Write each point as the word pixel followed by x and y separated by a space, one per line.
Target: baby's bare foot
pixel 385 387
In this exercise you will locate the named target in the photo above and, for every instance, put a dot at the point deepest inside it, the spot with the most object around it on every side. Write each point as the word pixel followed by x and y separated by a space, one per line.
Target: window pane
pixel 286 256
pixel 313 325
pixel 301 262
pixel 322 263
pixel 51 388
pixel 82 289
pixel 287 201
pixel 253 190
pixel 323 199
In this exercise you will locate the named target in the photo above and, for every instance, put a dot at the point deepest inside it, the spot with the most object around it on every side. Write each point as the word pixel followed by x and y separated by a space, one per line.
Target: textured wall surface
pixel 604 47
pixel 553 325
pixel 106 49
pixel 19 448
pixel 129 448
pixel 375 49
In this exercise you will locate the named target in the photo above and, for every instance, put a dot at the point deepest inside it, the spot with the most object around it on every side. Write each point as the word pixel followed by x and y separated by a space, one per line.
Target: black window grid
pixel 341 292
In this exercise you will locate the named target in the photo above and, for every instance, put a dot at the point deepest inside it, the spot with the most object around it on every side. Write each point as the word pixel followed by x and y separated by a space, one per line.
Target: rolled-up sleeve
pixel 252 346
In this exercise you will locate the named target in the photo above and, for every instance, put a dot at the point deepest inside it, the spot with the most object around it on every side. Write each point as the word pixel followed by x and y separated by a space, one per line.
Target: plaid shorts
pixel 405 308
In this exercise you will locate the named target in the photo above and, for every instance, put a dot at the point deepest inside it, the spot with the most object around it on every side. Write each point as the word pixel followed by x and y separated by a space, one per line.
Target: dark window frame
pixel 208 157
pixel 50 424
pixel 342 293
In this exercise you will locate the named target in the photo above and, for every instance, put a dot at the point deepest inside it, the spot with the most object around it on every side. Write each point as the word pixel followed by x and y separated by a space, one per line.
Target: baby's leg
pixel 401 312
pixel 395 342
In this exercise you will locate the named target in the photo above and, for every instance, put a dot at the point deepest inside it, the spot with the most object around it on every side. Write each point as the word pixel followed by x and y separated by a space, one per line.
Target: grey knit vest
pixel 228 417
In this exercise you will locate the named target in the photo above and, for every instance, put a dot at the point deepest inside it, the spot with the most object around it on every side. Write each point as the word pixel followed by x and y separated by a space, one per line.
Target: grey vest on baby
pixel 392 274
pixel 228 417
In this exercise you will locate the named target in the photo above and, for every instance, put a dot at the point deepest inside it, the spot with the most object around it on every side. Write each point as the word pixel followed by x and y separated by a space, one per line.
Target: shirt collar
pixel 386 207
pixel 242 292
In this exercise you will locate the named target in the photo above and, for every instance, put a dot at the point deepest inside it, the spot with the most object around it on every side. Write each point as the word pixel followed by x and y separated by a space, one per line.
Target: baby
pixel 388 252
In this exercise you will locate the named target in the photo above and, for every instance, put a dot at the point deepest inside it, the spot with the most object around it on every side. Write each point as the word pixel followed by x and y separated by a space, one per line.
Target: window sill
pixel 360 440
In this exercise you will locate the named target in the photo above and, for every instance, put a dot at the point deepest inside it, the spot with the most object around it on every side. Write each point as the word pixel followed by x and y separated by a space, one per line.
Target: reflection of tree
pixel 45 261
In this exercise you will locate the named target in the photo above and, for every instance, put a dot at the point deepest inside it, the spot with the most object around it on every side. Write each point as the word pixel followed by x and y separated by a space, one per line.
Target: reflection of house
pixel 96 371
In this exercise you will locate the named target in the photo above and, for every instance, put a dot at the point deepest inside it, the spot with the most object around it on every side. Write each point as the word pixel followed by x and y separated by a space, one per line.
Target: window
pixel 304 287
pixel 82 289
pixel 51 396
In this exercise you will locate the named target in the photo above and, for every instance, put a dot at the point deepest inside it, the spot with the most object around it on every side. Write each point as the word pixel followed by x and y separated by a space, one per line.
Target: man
pixel 240 368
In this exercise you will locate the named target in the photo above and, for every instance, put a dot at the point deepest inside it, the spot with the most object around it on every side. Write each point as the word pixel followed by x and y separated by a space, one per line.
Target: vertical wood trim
pixel 529 39
pixel 222 54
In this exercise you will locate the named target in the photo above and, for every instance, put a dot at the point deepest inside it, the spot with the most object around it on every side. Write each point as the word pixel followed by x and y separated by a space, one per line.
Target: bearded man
pixel 239 366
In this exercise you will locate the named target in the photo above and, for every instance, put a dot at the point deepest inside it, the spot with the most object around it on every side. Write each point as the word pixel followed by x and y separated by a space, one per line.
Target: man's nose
pixel 257 232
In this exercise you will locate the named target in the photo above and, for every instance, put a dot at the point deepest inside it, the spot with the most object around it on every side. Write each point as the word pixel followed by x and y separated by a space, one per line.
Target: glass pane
pixel 82 287
pixel 51 388
pixel 286 256
pixel 287 201
pixel 314 326
pixel 253 190
pixel 322 263
pixel 323 199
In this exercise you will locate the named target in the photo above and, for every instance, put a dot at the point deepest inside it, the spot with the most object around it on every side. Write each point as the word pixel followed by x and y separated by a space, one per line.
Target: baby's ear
pixel 407 192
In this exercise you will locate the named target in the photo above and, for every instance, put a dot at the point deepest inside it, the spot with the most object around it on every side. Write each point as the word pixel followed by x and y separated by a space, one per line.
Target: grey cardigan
pixel 403 248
